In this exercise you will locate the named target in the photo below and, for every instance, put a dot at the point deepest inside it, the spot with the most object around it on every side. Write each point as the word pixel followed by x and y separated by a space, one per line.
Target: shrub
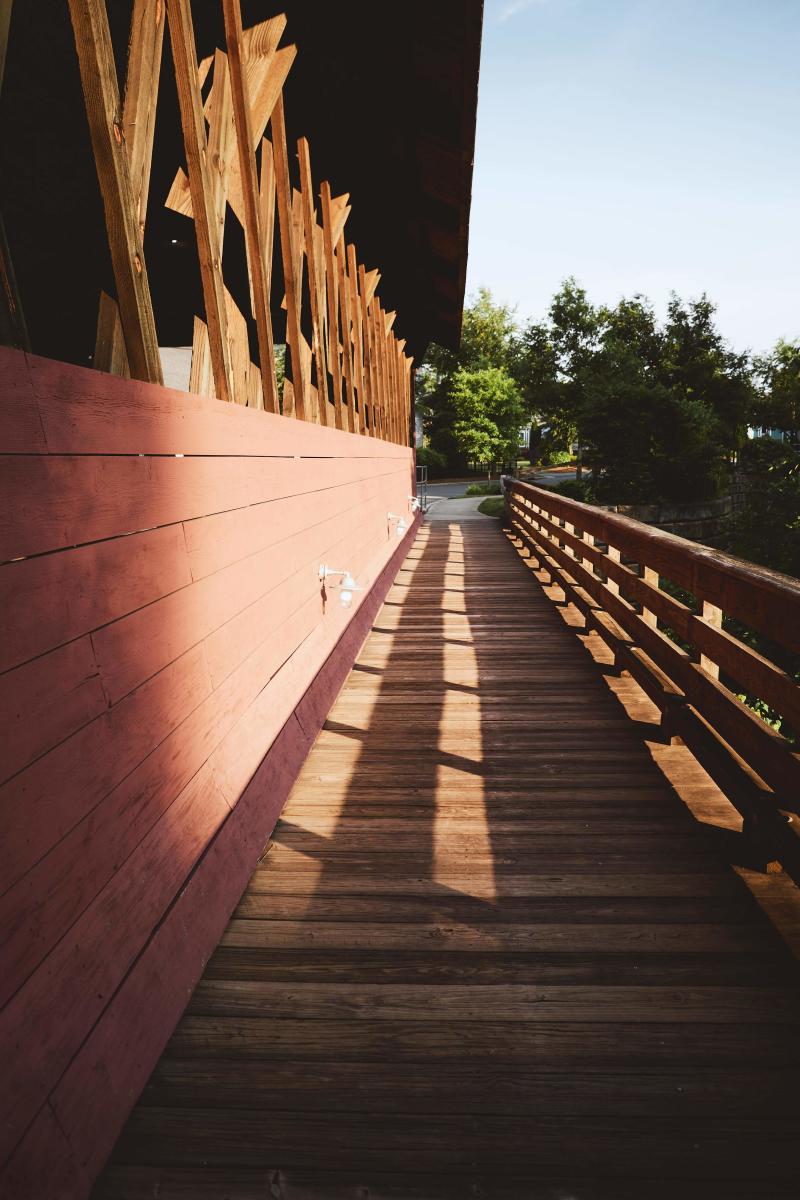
pixel 484 489
pixel 577 489
pixel 428 457
pixel 556 458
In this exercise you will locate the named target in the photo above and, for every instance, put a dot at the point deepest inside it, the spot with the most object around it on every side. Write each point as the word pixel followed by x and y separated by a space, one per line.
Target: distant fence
pixel 613 570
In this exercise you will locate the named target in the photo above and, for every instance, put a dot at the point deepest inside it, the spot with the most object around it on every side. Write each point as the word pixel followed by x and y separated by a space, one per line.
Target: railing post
pixel 615 556
pixel 570 528
pixel 649 576
pixel 712 615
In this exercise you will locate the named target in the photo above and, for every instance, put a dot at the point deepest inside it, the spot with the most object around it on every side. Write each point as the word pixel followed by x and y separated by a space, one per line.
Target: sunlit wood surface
pixel 490 951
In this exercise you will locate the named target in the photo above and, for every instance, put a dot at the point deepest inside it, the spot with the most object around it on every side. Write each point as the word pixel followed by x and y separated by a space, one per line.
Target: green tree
pixel 698 365
pixel 648 438
pixel 766 528
pixel 488 412
pixel 661 409
pixel 549 361
pixel 487 340
pixel 778 402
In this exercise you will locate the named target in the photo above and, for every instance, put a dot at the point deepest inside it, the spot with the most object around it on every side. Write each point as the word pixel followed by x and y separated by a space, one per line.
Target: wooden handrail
pixel 612 567
pixel 763 599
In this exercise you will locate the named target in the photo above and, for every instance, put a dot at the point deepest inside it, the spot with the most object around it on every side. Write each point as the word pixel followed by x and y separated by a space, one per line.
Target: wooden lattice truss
pixel 355 374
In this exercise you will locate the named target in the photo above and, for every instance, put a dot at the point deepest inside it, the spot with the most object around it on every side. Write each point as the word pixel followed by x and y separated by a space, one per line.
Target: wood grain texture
pixel 58 408
pixel 756 766
pixel 486 936
pixel 144 676
pixel 209 249
pixel 246 142
pixel 120 193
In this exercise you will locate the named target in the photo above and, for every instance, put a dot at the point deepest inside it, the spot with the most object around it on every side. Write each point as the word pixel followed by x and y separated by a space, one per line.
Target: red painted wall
pixel 167 659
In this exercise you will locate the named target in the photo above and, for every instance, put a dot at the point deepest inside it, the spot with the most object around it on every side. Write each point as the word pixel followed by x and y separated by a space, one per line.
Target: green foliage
pixel 766 528
pixel 577 489
pixel 280 368
pixel 555 458
pixel 428 457
pixel 484 489
pixel 487 341
pixel 493 506
pixel 659 410
pixel 488 413
pixel 778 401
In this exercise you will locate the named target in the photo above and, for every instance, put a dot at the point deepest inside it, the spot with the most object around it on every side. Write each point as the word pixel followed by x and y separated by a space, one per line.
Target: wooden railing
pixel 614 570
pixel 354 374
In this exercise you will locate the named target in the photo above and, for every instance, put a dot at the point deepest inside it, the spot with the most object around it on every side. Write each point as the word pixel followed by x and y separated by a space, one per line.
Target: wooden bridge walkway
pixel 490 951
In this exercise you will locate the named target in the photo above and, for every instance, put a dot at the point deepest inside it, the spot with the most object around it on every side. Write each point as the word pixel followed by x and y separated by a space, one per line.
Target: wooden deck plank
pixel 489 950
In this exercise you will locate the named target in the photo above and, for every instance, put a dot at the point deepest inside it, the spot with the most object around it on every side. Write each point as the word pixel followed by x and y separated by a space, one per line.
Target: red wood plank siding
pixel 163 621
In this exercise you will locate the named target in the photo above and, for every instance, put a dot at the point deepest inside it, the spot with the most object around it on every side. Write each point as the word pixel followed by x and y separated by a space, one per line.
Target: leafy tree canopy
pixel 488 412
pixel 487 340
pixel 659 409
pixel 778 400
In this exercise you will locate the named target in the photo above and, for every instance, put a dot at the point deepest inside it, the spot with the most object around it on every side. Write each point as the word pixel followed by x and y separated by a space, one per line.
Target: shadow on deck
pixel 496 947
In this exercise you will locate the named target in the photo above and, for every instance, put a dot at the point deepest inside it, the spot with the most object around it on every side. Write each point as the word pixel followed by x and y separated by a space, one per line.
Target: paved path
pixel 465 509
pixel 448 489
pixel 489 952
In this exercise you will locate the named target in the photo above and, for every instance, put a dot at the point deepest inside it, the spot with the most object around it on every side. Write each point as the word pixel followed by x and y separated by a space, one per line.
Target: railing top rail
pixel 762 599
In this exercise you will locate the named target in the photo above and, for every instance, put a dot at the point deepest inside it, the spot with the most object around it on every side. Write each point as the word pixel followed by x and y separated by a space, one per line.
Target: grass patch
pixel 490 488
pixel 492 506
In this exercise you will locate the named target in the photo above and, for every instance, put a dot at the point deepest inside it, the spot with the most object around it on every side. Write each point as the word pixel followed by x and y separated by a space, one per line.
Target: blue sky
pixel 642 146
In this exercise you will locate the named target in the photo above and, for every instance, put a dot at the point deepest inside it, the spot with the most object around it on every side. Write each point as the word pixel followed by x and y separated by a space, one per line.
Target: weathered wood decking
pixel 489 952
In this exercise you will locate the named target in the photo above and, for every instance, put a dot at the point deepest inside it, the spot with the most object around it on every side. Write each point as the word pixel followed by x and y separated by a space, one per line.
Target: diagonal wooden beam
pixel 283 188
pixel 372 279
pixel 332 291
pixel 110 354
pixel 380 398
pixel 221 142
pixel 145 46
pixel 266 205
pixel 141 96
pixel 247 172
pixel 194 139
pixel 369 359
pixel 340 255
pixel 313 267
pixel 358 336
pixel 104 111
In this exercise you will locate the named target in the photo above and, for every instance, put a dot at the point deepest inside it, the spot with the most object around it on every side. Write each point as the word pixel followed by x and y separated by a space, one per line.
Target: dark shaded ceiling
pixel 386 96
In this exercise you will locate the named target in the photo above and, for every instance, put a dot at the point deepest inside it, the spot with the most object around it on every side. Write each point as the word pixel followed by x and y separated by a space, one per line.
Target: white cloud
pixel 514 7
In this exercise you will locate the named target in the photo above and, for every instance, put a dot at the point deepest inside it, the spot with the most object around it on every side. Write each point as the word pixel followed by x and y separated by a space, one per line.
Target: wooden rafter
pixel 103 109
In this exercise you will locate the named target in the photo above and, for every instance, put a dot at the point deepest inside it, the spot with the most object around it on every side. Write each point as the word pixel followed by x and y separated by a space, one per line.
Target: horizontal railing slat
pixel 763 599
pixel 750 669
pixel 596 578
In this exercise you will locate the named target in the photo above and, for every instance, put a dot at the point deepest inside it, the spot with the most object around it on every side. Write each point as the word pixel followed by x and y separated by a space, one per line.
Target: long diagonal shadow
pixel 407 707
